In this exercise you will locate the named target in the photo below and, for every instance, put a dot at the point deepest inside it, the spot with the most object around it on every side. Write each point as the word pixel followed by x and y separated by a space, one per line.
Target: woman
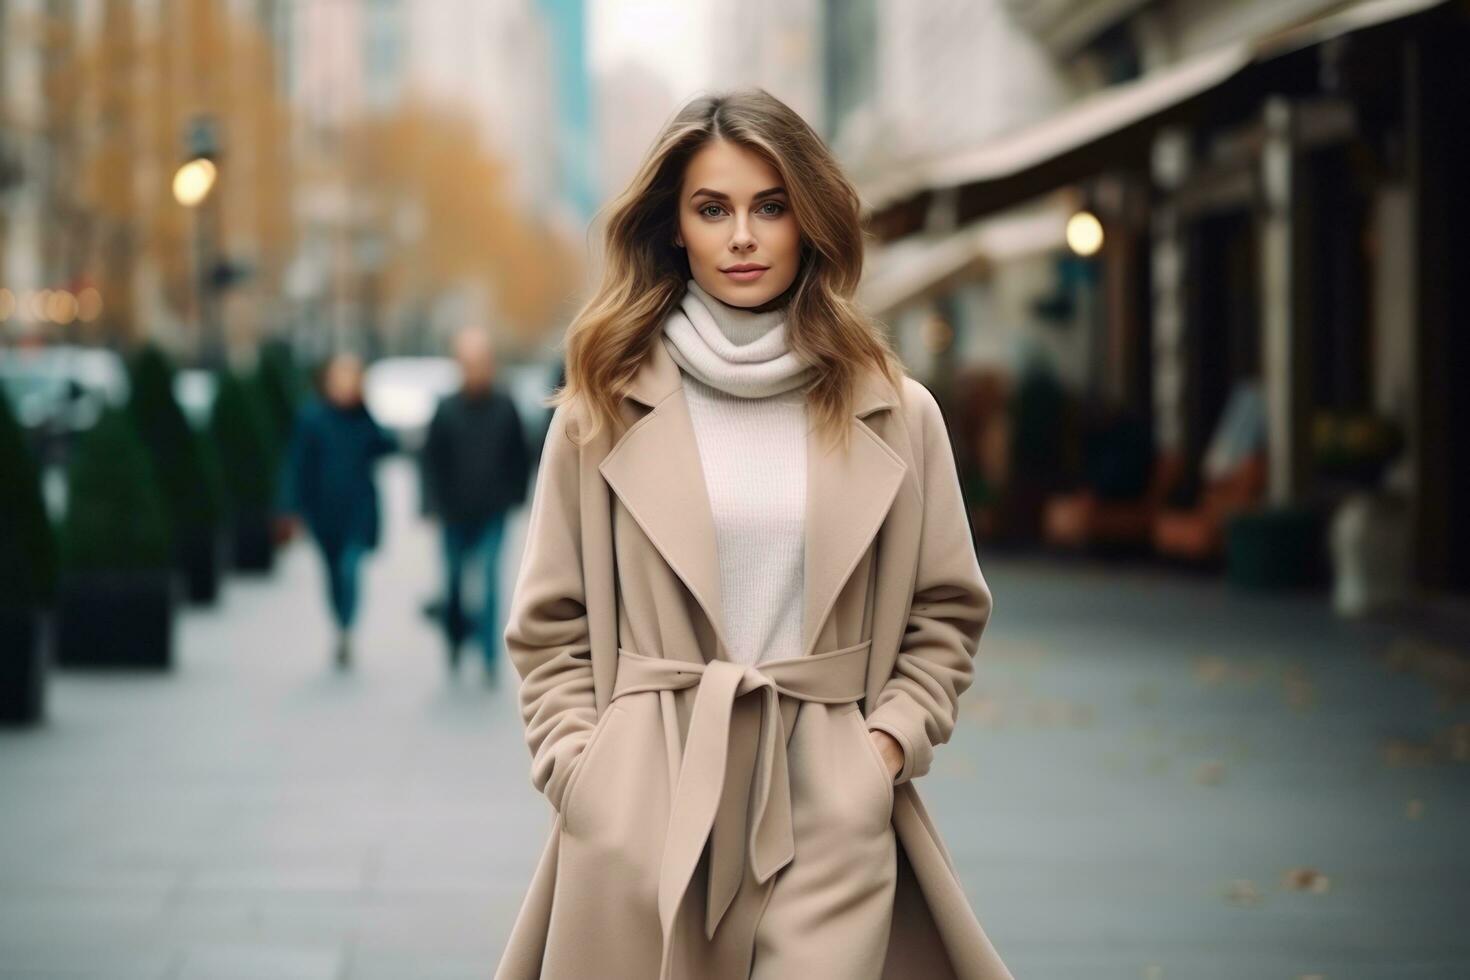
pixel 334 447
pixel 749 601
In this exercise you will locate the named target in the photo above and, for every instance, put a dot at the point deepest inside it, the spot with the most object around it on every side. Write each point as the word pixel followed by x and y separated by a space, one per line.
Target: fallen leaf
pixel 1211 670
pixel 1210 774
pixel 1299 689
pixel 1444 667
pixel 1403 752
pixel 1306 880
pixel 1458 738
pixel 1243 891
pixel 1250 673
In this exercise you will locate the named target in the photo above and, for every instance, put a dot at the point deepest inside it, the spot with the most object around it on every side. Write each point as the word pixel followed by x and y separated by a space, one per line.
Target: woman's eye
pixel 706 210
pixel 779 207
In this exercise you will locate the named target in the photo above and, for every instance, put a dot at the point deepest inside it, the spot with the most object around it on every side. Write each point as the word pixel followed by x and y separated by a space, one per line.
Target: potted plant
pixel 1371 531
pixel 27 579
pixel 116 602
pixel 242 432
pixel 280 385
pixel 1354 448
pixel 188 473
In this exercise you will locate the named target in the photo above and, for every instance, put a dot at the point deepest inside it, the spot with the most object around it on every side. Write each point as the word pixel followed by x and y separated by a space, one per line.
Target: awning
pixel 1083 123
pixel 918 266
pixel 1062 147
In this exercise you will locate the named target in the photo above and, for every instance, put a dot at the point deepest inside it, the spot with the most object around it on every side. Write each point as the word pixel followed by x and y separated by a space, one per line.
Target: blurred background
pixel 1187 276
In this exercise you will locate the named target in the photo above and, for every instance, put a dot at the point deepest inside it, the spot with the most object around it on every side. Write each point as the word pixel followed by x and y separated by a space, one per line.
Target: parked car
pixel 402 393
pixel 57 392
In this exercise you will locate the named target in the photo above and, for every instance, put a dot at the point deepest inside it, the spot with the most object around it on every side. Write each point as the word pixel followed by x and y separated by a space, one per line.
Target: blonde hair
pixel 644 274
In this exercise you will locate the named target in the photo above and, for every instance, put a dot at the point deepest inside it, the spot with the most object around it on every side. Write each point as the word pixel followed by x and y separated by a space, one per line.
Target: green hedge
pixel 28 547
pixel 245 437
pixel 281 387
pixel 115 515
pixel 189 478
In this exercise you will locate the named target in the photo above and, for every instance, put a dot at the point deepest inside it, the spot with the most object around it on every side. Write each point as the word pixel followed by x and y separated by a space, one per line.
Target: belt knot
pixel 739 802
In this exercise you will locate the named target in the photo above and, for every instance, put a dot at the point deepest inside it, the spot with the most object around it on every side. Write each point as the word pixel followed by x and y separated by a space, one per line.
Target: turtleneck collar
pixel 738 351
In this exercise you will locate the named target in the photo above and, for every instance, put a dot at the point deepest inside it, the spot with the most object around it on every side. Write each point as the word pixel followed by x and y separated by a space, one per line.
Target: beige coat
pixel 682 781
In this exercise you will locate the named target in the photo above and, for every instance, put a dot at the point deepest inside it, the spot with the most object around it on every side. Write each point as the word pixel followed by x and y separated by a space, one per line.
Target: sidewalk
pixel 1158 778
pixel 1142 760
pixel 256 814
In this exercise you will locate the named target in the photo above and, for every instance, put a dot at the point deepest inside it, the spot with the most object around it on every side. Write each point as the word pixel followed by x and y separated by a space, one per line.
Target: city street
pixel 1152 778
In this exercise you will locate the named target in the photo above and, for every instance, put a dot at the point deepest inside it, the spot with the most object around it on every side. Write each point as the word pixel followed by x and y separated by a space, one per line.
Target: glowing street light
pixel 193 181
pixel 89 304
pixel 1084 234
pixel 61 307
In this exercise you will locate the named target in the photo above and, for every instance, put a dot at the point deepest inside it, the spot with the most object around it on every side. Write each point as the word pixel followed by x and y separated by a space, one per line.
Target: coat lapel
pixel 848 495
pixel 655 470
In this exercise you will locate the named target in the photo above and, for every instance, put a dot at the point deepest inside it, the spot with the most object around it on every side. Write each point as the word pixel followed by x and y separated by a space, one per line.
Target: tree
pixel 119 106
pixel 428 161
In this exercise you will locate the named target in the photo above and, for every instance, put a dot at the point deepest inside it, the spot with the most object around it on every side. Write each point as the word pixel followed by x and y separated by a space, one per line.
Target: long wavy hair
pixel 644 272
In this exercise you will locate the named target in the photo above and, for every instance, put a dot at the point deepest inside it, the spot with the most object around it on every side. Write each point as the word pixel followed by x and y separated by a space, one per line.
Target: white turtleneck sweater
pixel 745 389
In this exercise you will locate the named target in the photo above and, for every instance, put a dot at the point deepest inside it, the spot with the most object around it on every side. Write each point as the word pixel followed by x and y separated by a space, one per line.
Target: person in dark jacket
pixel 335 445
pixel 477 463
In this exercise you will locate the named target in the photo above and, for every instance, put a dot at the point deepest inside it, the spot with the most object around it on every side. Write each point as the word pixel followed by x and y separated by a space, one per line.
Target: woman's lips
pixel 745 275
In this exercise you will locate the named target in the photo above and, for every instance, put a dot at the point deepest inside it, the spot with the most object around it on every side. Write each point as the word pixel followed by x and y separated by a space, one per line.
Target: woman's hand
pixel 889 749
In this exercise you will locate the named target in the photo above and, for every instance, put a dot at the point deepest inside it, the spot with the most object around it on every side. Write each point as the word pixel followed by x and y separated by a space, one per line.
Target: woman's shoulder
pixel 923 418
pixel 914 400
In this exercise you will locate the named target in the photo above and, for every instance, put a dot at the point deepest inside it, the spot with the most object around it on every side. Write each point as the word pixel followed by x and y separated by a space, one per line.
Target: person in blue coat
pixel 335 445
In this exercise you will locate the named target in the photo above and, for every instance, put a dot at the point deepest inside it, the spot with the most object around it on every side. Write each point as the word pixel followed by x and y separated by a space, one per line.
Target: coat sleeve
pixel 951 605
pixel 547 635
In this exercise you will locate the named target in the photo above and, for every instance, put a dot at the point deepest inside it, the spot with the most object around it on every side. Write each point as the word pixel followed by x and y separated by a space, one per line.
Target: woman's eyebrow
pixel 721 196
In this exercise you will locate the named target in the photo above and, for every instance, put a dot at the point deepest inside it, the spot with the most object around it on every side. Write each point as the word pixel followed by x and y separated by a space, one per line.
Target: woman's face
pixel 343 381
pixel 735 222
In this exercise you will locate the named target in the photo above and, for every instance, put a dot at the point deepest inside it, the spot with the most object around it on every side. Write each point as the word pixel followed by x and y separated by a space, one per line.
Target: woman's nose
pixel 742 240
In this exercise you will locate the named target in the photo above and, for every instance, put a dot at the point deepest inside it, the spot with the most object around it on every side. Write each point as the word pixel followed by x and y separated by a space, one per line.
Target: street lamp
pixel 1084 234
pixel 192 184
pixel 193 181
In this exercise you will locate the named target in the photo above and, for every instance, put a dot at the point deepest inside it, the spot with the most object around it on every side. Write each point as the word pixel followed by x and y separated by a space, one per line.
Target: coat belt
pixel 712 797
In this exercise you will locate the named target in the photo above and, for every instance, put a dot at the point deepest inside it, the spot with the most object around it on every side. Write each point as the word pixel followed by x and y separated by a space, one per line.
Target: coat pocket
pixel 874 754
pixel 585 759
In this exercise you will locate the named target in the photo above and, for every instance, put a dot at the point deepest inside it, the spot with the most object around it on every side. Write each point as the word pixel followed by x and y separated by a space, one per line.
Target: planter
pixel 23 656
pixel 254 548
pixel 1275 549
pixel 1372 554
pixel 116 619
pixel 201 561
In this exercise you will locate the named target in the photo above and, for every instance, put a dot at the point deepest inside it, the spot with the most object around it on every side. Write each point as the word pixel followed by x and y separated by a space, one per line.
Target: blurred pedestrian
pixel 477 463
pixel 335 445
